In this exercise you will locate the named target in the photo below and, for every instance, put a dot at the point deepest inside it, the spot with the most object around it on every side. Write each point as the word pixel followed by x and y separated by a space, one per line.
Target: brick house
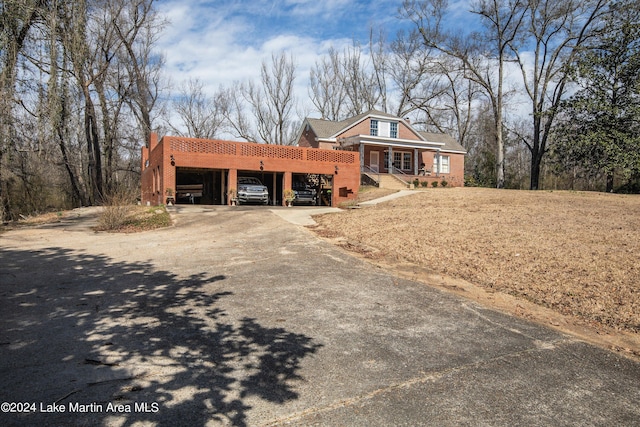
pixel 388 146
pixel 203 171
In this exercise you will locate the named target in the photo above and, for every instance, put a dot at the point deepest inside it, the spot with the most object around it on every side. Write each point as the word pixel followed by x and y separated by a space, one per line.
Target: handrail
pixel 366 169
pixel 393 171
pixel 399 170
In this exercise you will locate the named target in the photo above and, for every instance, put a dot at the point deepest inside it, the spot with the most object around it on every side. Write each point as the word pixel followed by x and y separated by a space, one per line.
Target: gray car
pixel 251 190
pixel 303 193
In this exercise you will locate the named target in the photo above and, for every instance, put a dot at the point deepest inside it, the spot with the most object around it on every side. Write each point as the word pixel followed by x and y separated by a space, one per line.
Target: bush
pixel 117 208
pixel 444 183
pixel 424 184
pixel 416 183
pixel 434 184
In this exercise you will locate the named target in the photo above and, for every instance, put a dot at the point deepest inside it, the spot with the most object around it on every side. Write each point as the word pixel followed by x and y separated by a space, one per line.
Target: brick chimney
pixel 153 141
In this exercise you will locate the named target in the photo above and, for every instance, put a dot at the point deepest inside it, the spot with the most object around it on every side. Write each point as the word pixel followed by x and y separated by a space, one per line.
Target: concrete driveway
pixel 238 317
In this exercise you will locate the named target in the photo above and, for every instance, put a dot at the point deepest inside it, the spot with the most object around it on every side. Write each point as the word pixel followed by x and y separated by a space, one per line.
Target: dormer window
pixel 393 130
pixel 383 128
pixel 374 127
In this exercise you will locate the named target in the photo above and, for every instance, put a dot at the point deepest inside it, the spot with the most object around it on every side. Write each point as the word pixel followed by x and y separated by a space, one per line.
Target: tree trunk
pixel 536 154
pixel 5 205
pixel 93 149
pixel 500 156
pixel 609 187
pixel 536 160
pixel 77 197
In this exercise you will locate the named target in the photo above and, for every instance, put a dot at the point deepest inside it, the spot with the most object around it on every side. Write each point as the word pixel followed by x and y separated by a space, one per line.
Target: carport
pixel 200 186
pixel 272 180
pixel 205 171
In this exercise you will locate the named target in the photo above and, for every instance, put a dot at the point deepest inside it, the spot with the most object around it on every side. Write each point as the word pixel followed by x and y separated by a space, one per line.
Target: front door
pixel 374 161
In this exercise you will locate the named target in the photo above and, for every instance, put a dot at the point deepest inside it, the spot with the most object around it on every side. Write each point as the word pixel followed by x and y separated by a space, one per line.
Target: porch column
pixel 223 185
pixel 361 148
pixel 232 182
pixel 275 190
pixel 415 161
pixel 390 165
pixel 286 185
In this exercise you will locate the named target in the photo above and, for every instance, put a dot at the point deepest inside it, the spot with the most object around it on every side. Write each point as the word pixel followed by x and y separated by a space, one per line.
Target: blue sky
pixel 221 41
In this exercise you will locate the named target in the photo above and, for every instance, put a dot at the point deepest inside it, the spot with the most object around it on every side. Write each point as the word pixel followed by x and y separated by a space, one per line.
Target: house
pixel 190 170
pixel 390 149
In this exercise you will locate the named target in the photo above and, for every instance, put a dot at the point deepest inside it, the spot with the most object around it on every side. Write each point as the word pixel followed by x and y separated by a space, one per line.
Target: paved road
pixel 238 317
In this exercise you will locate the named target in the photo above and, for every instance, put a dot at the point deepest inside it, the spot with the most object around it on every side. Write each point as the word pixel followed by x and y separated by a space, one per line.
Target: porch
pixel 401 157
pixel 400 180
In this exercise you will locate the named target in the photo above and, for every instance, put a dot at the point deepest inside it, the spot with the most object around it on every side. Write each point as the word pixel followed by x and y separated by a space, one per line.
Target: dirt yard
pixel 570 259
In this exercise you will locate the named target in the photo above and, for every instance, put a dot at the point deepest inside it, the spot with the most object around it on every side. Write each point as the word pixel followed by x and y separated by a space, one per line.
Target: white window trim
pixel 439 165
pixel 392 130
pixel 409 165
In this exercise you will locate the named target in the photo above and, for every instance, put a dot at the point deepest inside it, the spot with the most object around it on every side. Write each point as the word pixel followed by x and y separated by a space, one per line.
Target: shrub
pixel 117 208
pixel 444 183
pixel 416 183
pixel 434 184
pixel 424 184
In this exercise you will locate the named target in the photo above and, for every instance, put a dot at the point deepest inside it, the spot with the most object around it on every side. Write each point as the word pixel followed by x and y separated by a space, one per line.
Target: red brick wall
pixel 405 133
pixel 455 177
pixel 308 139
pixel 152 184
pixel 362 128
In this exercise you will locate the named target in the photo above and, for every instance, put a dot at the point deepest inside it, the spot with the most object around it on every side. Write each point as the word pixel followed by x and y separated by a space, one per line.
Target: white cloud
pixel 218 45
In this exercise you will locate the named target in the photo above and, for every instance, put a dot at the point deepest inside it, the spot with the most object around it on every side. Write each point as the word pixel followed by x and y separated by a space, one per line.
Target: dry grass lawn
pixel 573 252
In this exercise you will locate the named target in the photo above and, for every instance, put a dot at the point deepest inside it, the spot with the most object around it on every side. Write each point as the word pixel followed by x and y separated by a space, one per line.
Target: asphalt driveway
pixel 239 317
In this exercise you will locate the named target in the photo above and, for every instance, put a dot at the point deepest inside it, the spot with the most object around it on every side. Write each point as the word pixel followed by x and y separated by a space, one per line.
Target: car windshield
pixel 249 181
pixel 299 186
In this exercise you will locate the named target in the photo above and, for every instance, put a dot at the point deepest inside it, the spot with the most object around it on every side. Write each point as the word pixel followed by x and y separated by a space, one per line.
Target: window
pixel 374 127
pixel 401 160
pixel 444 164
pixel 393 133
pixel 406 161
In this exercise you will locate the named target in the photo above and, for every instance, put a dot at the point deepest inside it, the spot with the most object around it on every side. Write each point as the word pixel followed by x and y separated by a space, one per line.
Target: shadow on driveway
pixel 120 336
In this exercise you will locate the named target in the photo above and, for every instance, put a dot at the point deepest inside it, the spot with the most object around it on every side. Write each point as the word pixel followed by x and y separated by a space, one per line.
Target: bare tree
pixel 411 74
pixel 359 82
pixel 138 26
pixel 483 55
pixel 272 102
pixel 557 31
pixel 60 108
pixel 201 115
pixel 380 68
pixel 351 82
pixel 325 86
pixel 16 21
pixel 73 73
pixel 237 119
pixel 432 87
